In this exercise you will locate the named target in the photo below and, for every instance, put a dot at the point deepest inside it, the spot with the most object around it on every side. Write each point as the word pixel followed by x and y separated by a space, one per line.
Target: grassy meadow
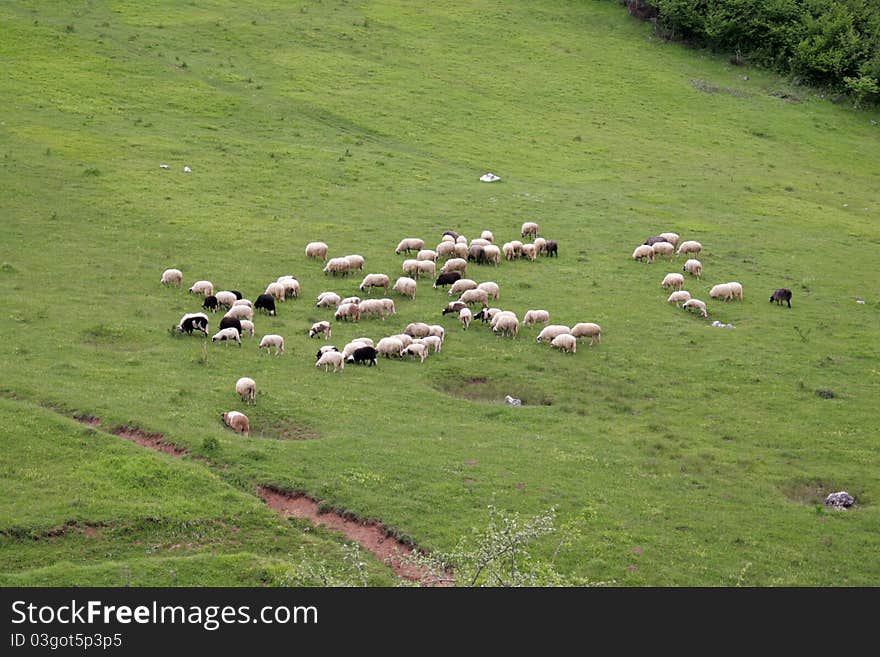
pixel 675 453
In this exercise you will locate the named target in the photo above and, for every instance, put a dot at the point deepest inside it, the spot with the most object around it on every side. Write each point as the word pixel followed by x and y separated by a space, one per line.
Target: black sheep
pixel 265 302
pixel 447 279
pixel 552 247
pixel 211 304
pixel 656 239
pixel 781 294
pixel 483 314
pixel 236 293
pixel 228 322
pixel 364 356
pixel 193 322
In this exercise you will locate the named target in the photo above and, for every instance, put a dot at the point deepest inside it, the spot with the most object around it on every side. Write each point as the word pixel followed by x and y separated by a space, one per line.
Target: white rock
pixel 489 177
pixel 164 166
pixel 187 170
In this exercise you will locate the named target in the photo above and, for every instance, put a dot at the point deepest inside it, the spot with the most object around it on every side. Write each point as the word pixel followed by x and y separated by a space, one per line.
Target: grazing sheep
pixel 679 297
pixel 316 250
pixel 447 279
pixel 529 251
pixel 264 302
pixel 672 238
pixel 438 331
pixel 375 280
pixel 410 244
pixel 320 327
pixel 367 341
pixel 483 314
pixel 673 280
pixel 351 347
pixel 405 286
pixel 270 341
pixel 355 262
pixel 479 241
pixel 491 289
pixel 462 285
pixel 587 330
pixel 205 288
pixel 172 277
pixel 417 329
pixel 354 300
pixel 432 341
pixel 487 235
pixel 243 302
pixel 333 358
pixel 388 305
pixel 324 349
pixel 540 246
pixel 427 268
pixel 506 323
pixel 327 299
pixel 247 327
pixel 405 340
pixel 654 239
pixel 517 247
pixel 276 290
pixel 369 307
pixel 696 303
pixel 690 246
pixel 237 421
pixel 226 298
pixel 693 267
pixel 565 342
pixel 427 254
pixel 237 294
pixel 246 388
pixel 489 314
pixel 551 331
pixel 461 250
pixel 536 316
pixel 781 294
pixel 291 286
pixel 663 248
pixel 721 291
pixel 552 248
pixel 227 334
pixel 492 254
pixel 337 266
pixel 644 251
pixel 416 349
pixel 446 249
pixel 736 289
pixel 240 312
pixel 211 303
pixel 507 250
pixel 410 267
pixel 348 312
pixel 465 316
pixel 193 322
pixel 455 264
pixel 529 228
pixel 234 322
pixel 475 253
pixel 475 296
pixel 449 237
pixel 389 346
pixel 461 239
pixel 364 355
pixel 454 307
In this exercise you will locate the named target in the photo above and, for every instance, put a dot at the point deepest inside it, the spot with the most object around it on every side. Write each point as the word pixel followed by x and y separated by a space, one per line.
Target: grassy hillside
pixel 683 454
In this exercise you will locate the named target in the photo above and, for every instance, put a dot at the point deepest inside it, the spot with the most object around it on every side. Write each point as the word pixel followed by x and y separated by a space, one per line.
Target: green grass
pixel 361 123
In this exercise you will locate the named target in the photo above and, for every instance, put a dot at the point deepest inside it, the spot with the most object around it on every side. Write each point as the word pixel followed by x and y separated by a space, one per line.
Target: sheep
pixel 276 290
pixel 529 228
pixel 264 302
pixel 405 339
pixel 721 291
pixel 447 279
pixel 270 341
pixel 517 247
pixel 475 296
pixel 226 298
pixel 388 305
pixel 529 251
pixel 410 244
pixel 233 322
pixel 445 249
pixel 427 267
pixel 172 277
pixel 455 264
pixel 433 342
pixel 540 246
pixel 353 346
pixel 689 247
pixel 348 312
pixel 461 239
pixel 237 294
pixel 321 327
pixel 246 388
pixel 654 239
pixel 696 303
pixel 237 421
pixel 449 237
pixel 323 349
pixel 227 334
pixel 291 286
pixel 367 341
pixel 492 254
pixel 453 307
pixel 507 250
pixel 355 262
pixel 374 280
pixel 435 330
pixel 693 267
pixel 247 327
pixel 416 349
pixel 389 346
pixel 483 314
pixel 211 303
pixel 337 266
pixel 551 331
pixel 417 329
pixel 672 238
pixel 781 294
pixel 475 253
pixel 673 280
pixel 479 241
pixel 496 314
pixel 644 251
pixel 364 355
pixel 427 254
pixel 679 297
pixel 736 289
pixel 487 235
pixel 587 329
pixel 333 358
pixel 536 316
pixel 489 314
pixel 193 322
pixel 316 250
pixel 205 288
pixel 410 267
pixel 506 324
pixel 465 316
pixel 552 248
pixel 405 286
pixel 327 299
pixel 491 289
pixel 354 300
pixel 243 302
pixel 462 285
pixel 460 250
pixel 663 248
pixel 565 342
pixel 240 312
pixel 372 307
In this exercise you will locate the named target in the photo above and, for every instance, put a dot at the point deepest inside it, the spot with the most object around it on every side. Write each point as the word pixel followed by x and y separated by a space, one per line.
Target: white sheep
pixel 679 297
pixel 721 291
pixel 276 290
pixel 673 280
pixel 270 341
pixel 367 341
pixel 205 288
pixel 587 330
pixel 540 245
pixel 447 238
pixel 475 296
pixel 333 358
pixel 446 249
pixel 487 235
pixel 479 241
pixel 491 289
pixel 375 280
pixel 696 303
pixel 506 323
pixel 323 349
pixel 438 331
pixel 495 314
pixel 529 228
pixel 507 250
pixel 247 327
pixel 237 421
pixel 517 246
pixel 433 341
pixel 410 267
pixel 690 246
pixel 461 250
pixel 663 248
pixel 737 290
pixel 240 312
pixel 353 346
pixel 355 262
pixel 410 244
pixel 427 254
pixel 246 388
pixel 455 264
pixel 461 239
pixel 348 312
pixel 327 299
pixel 529 251
pixel 405 286
pixel 316 250
pixel 417 329
pixel 243 302
pixel 226 335
pixel 405 340
pixel 337 266
pixel 226 298
pixel 354 300
pixel 388 304
pixel 389 347
pixel 462 285
pixel 321 327
pixel 643 251
pixel 551 331
pixel 416 349
pixel 565 342
pixel 492 254
pixel 172 277
pixel 536 316
pixel 427 267
pixel 693 267
pixel 291 286
pixel 672 238
pixel 369 307
pixel 465 316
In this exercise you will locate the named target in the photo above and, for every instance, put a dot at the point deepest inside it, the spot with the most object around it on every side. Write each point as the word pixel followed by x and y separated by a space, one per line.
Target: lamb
pixel 337 266
pixel 237 421
pixel 455 264
pixel 211 303
pixel 372 307
pixel 432 341
pixel 327 299
pixel 205 288
pixel 491 289
pixel 333 358
pixel 410 244
pixel 389 346
pixel 316 250
pixel 696 303
pixel 540 245
pixel 417 329
pixel 227 334
pixel 226 298
pixel 247 327
pixel 737 290
pixel 364 355
pixel 465 316
pixel 529 251
pixel 565 342
pixel 672 238
pixel 246 388
pixel 690 246
pixel 405 286
pixel 679 297
pixel 276 290
pixel 487 235
pixel 587 329
pixel 492 254
pixel 427 267
pixel 240 312
pixel 721 291
pixel 536 316
pixel 320 327
pixel 291 286
pixel 348 312
pixel 427 254
pixel 506 323
pixel 529 228
pixel 475 296
pixel 552 248
pixel 375 280
pixel 264 302
pixel 447 279
pixel 172 277
pixel 462 285
pixel 193 322
pixel 410 267
pixel 445 249
pixel 270 341
pixel 673 280
pixel 551 331
pixel 435 330
pixel 781 294
pixel 644 251
pixel 454 307
pixel 663 248
pixel 693 267
pixel 416 349
pixel 355 262
pixel 234 322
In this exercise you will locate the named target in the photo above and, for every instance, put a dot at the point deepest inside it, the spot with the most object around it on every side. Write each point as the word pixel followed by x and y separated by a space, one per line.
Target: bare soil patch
pixel 152 440
pixel 814 491
pixel 85 418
